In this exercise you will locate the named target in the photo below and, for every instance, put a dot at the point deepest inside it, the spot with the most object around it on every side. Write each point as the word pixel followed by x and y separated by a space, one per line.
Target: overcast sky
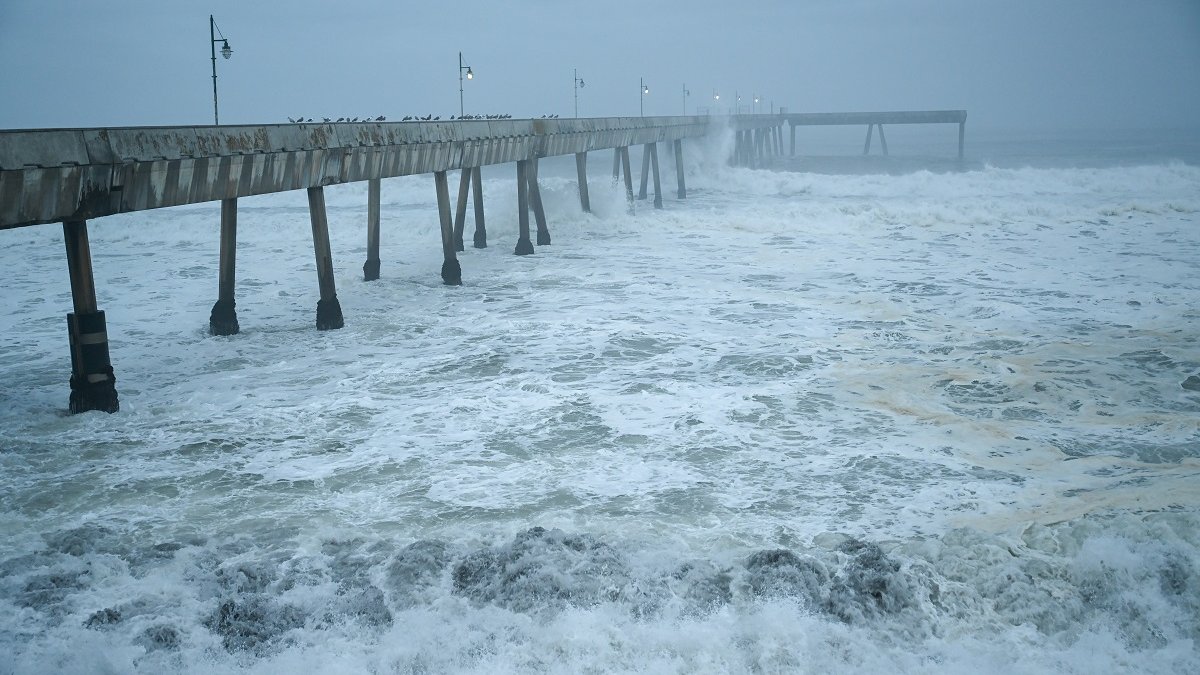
pixel 1095 64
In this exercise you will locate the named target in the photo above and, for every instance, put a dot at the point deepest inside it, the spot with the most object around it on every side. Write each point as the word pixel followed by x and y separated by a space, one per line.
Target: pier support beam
pixel 371 266
pixel 329 310
pixel 93 385
pixel 581 170
pixel 451 270
pixel 535 200
pixel 867 145
pixel 653 147
pixel 882 140
pixel 524 245
pixel 962 133
pixel 477 188
pixel 645 171
pixel 628 174
pixel 223 318
pixel 793 144
pixel 460 207
pixel 682 193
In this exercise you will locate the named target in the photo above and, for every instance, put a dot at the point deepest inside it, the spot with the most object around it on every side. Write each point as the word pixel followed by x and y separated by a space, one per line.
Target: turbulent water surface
pixel 804 421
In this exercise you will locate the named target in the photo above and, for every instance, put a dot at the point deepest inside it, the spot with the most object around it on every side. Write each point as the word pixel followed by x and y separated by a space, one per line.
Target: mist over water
pixel 849 415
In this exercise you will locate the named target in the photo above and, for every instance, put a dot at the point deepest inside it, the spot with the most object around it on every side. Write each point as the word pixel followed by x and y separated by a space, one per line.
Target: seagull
pixel 325 118
pixel 291 120
pixel 406 118
pixel 308 120
pixel 354 120
pixel 381 118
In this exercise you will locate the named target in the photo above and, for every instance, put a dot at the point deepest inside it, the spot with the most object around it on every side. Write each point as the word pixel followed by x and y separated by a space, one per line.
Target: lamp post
pixel 754 106
pixel 643 89
pixel 686 94
pixel 578 86
pixel 213 31
pixel 470 76
pixel 737 103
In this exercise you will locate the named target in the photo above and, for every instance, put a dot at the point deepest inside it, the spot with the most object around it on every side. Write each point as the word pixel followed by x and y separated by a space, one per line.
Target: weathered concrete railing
pixel 59 175
pixel 877 120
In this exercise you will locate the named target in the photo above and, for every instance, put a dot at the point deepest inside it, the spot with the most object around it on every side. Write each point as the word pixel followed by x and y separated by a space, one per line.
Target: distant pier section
pixel 876 120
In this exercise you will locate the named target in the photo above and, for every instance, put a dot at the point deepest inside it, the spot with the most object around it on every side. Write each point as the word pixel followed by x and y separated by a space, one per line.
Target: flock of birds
pixel 409 118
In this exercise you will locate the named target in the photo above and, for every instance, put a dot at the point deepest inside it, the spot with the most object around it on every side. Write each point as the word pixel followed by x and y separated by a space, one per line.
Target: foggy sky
pixel 1044 64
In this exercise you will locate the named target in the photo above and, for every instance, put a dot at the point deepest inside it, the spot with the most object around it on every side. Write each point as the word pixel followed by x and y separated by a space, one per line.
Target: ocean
pixel 837 415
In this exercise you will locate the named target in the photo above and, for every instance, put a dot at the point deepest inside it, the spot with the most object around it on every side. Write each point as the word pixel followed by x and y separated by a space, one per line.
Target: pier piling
pixel 477 188
pixel 535 200
pixel 628 175
pixel 93 385
pixel 524 245
pixel 682 194
pixel 223 318
pixel 460 210
pixel 371 266
pixel 329 310
pixel 451 270
pixel 581 170
pixel 645 171
pixel 658 204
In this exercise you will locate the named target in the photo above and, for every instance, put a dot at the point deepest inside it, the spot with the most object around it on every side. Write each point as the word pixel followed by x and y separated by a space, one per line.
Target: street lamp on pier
pixel 213 32
pixel 642 96
pixel 470 76
pixel 686 94
pixel 578 86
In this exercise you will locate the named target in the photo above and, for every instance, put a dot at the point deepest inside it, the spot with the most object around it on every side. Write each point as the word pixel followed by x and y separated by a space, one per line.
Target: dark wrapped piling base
pixel 329 314
pixel 93 385
pixel 524 247
pixel 480 238
pixel 371 269
pixel 223 319
pixel 451 273
pixel 100 395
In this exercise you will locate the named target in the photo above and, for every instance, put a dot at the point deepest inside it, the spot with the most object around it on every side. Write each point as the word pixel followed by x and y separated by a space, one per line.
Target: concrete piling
pixel 682 193
pixel 867 145
pixel 658 204
pixel 882 140
pixel 535 201
pixel 524 245
pixel 93 385
pixel 581 171
pixel 371 266
pixel 477 188
pixel 628 174
pixel 645 171
pixel 329 310
pixel 223 318
pixel 451 270
pixel 460 207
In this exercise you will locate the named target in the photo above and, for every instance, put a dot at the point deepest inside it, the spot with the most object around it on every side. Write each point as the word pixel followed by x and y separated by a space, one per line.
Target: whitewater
pixel 912 417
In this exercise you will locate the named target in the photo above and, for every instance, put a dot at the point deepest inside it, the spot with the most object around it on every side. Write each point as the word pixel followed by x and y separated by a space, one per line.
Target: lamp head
pixel 645 89
pixel 581 83
pixel 470 73
pixel 225 50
